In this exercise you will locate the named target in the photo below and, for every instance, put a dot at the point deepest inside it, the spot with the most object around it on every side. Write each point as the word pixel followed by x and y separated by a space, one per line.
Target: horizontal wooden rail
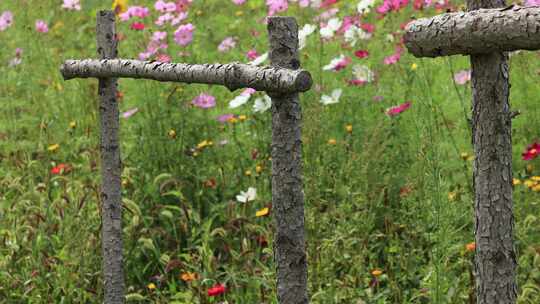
pixel 233 75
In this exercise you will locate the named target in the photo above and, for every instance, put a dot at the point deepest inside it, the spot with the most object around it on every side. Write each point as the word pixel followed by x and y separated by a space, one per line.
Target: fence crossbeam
pixel 231 75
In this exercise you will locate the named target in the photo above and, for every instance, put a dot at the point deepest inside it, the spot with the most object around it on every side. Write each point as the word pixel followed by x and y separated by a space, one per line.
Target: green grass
pixel 394 194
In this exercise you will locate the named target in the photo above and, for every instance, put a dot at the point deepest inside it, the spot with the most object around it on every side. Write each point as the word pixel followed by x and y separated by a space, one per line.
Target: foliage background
pixel 393 194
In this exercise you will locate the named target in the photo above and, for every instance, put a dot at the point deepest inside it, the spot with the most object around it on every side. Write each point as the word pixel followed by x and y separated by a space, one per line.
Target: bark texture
pixel 495 259
pixel 232 75
pixel 110 167
pixel 287 189
pixel 476 32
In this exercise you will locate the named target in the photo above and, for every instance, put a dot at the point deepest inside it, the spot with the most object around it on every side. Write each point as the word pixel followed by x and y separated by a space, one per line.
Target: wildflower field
pixel 387 157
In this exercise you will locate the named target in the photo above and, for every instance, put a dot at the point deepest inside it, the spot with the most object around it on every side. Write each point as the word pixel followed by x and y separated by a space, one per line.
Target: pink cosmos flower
pixel 276 6
pixel 227 44
pixel 348 21
pixel 239 2
pixel 184 34
pixel 462 77
pixel 252 54
pixel 204 101
pixel 328 3
pixel 41 26
pixel 163 57
pixel 134 11
pixel 73 5
pixel 158 36
pixel 183 5
pixel 130 112
pixel 165 7
pixel 396 110
pixel 6 20
pixel 394 58
pixel 225 118
pixel 532 2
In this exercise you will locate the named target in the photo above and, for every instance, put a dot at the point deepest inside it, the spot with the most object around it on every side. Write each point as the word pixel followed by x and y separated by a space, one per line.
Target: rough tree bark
pixel 486 35
pixel 495 259
pixel 231 75
pixel 111 199
pixel 477 32
pixel 287 193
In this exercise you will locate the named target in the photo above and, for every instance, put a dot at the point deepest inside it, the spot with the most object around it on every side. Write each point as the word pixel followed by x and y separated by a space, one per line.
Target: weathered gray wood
pixel 287 192
pixel 111 199
pixel 495 259
pixel 231 75
pixel 476 32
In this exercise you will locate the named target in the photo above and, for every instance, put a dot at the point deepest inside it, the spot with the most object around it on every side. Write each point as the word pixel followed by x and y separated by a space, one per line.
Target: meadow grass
pixel 389 208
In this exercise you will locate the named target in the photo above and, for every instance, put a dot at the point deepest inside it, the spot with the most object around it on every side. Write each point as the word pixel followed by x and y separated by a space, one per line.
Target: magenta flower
pixel 6 20
pixel 72 5
pixel 204 101
pixel 462 77
pixel 531 151
pixel 41 26
pixel 396 110
pixel 184 34
pixel 252 54
pixel 227 44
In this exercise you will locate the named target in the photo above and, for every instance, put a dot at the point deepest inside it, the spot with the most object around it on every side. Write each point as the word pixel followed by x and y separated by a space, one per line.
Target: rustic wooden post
pixel 111 199
pixel 283 81
pixel 486 34
pixel 287 191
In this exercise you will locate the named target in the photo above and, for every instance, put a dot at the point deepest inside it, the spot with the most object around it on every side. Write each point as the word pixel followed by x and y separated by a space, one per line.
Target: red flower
pixel 216 290
pixel 361 53
pixel 357 82
pixel 393 111
pixel 531 152
pixel 138 26
pixel 368 27
pixel 61 168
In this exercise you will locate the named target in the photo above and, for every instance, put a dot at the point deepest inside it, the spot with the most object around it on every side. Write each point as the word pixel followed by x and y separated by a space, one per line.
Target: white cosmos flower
pixel 331 27
pixel 364 5
pixel 354 33
pixel 259 60
pixel 307 30
pixel 362 73
pixel 241 99
pixel 334 63
pixel 247 196
pixel 262 104
pixel 334 98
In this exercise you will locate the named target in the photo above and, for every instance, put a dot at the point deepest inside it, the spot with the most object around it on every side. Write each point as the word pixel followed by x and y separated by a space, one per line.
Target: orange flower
pixel 188 276
pixel 376 272
pixel 470 247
